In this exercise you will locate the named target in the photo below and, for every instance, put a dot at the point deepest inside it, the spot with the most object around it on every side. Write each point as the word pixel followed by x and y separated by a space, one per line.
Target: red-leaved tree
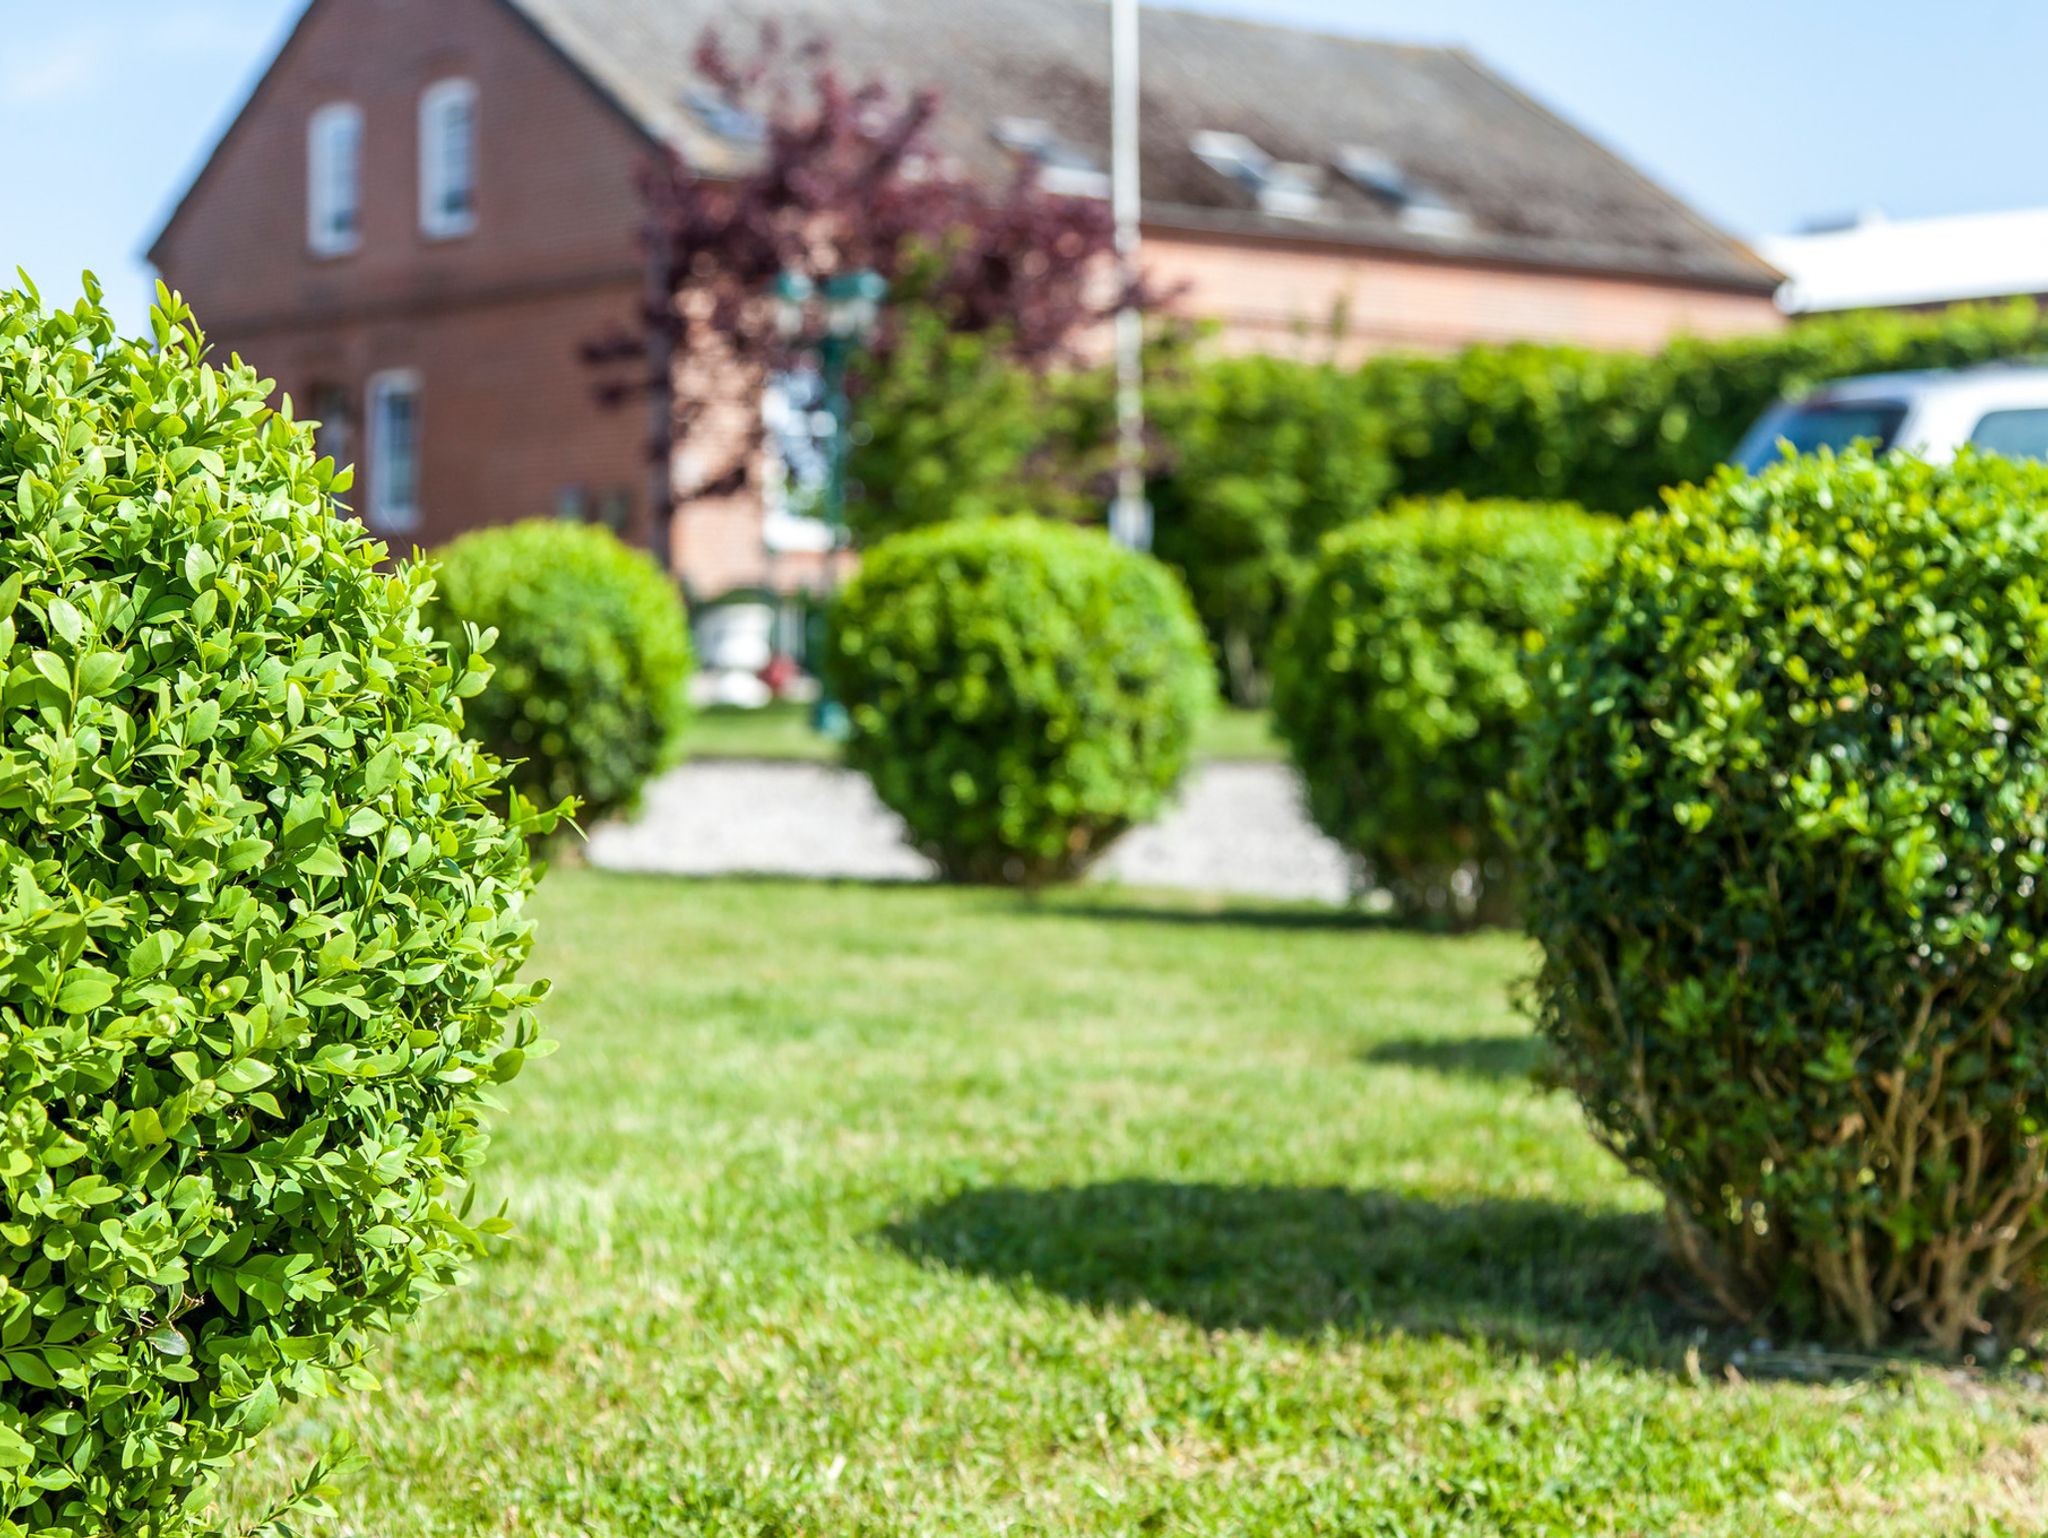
pixel 840 178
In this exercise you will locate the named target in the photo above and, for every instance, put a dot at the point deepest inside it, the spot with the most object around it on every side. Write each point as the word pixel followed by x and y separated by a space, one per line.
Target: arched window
pixel 448 159
pixel 334 178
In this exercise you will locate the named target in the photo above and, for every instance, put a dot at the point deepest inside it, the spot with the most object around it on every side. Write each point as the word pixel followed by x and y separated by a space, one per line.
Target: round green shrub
pixel 1786 804
pixel 1021 692
pixel 260 924
pixel 1402 681
pixel 592 660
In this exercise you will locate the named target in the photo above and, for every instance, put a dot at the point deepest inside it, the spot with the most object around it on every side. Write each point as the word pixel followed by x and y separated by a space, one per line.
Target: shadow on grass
pixel 1500 1058
pixel 1529 1275
pixel 764 878
pixel 1246 913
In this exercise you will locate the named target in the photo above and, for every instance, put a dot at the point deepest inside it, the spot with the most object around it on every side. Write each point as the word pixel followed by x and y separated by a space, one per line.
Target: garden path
pixel 1238 828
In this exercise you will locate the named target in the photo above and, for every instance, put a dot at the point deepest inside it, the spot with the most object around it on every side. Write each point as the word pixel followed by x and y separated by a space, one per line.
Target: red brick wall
pixel 492 321
pixel 507 427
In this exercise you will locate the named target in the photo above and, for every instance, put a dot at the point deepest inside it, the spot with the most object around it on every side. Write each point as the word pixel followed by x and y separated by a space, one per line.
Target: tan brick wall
pixel 1271 297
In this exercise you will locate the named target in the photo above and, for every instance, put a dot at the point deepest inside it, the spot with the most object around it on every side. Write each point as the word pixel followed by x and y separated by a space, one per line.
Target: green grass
pixel 782 731
pixel 1240 734
pixel 898 1210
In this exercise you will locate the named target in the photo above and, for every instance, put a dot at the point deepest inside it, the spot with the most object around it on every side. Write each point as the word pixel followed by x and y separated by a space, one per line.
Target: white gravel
pixel 1238 829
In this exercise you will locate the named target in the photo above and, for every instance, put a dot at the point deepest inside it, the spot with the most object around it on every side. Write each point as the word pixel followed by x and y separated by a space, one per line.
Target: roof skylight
pixel 733 123
pixel 1288 188
pixel 1419 206
pixel 1064 169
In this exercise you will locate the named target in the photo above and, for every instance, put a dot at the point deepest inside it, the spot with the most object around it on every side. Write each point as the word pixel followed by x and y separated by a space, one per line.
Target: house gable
pixel 556 164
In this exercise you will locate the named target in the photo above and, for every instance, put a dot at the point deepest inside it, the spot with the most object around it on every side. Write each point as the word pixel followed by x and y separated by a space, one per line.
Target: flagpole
pixel 1130 520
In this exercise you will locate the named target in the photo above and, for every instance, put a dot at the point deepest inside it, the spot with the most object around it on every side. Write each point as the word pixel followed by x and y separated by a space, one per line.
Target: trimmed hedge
pixel 1610 430
pixel 1265 457
pixel 260 928
pixel 1021 692
pixel 1784 804
pixel 1401 685
pixel 1259 458
pixel 592 654
pixel 946 425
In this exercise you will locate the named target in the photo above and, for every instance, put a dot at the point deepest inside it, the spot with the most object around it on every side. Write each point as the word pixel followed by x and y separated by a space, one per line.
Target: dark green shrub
pixel 260 923
pixel 1021 692
pixel 592 660
pixel 1784 811
pixel 1403 679
pixel 949 424
pixel 1609 430
pixel 946 426
pixel 1264 457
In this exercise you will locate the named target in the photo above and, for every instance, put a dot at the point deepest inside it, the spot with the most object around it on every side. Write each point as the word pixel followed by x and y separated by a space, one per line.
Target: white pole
pixel 1130 520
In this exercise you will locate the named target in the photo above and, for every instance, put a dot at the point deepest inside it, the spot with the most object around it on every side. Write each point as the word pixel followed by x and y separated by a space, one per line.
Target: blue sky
pixel 1765 113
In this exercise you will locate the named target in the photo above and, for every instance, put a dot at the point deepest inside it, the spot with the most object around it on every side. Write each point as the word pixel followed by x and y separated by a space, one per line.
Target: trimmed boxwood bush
pixel 1785 806
pixel 1402 682
pixel 592 659
pixel 1021 692
pixel 260 925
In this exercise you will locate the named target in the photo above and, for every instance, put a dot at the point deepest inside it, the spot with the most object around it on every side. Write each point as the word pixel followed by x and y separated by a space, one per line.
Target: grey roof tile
pixel 1530 187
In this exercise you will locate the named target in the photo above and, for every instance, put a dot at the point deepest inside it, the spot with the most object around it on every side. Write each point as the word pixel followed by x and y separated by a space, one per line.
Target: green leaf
pixel 151 955
pixel 66 623
pixel 30 1368
pixel 85 988
pixel 244 1073
pixel 259 1409
pixel 97 672
pixel 381 771
pixel 201 720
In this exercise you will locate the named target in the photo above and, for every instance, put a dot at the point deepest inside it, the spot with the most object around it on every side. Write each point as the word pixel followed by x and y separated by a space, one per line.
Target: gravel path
pixel 1238 829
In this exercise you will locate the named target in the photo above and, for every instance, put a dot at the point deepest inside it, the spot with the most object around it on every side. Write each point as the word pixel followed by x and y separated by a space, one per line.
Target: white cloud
pixel 65 66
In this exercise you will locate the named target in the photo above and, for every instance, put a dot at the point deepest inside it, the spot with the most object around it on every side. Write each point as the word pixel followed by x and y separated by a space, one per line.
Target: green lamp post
pixel 835 323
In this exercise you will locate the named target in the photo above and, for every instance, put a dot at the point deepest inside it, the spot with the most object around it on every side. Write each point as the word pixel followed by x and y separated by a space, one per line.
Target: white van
pixel 2001 408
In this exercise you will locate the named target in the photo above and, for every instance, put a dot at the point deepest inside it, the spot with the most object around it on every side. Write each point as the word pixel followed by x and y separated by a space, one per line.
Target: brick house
pixel 427 206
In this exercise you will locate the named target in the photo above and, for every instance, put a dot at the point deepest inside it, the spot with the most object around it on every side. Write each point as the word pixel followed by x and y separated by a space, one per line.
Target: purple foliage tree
pixel 842 178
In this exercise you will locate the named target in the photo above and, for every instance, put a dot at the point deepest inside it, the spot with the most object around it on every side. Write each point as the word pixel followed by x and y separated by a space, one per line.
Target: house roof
pixel 1466 166
pixel 1878 262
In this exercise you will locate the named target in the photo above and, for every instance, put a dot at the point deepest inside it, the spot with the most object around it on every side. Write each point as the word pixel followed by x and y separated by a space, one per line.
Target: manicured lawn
pixel 783 731
pixel 855 1210
pixel 779 731
pixel 1240 734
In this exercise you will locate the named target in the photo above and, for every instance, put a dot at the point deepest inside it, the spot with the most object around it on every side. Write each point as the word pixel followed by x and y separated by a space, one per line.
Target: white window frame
pixel 387 512
pixel 334 179
pixel 436 182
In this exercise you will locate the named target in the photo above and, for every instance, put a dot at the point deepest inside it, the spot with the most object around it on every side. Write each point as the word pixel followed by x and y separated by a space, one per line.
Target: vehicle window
pixel 2015 434
pixel 1810 427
